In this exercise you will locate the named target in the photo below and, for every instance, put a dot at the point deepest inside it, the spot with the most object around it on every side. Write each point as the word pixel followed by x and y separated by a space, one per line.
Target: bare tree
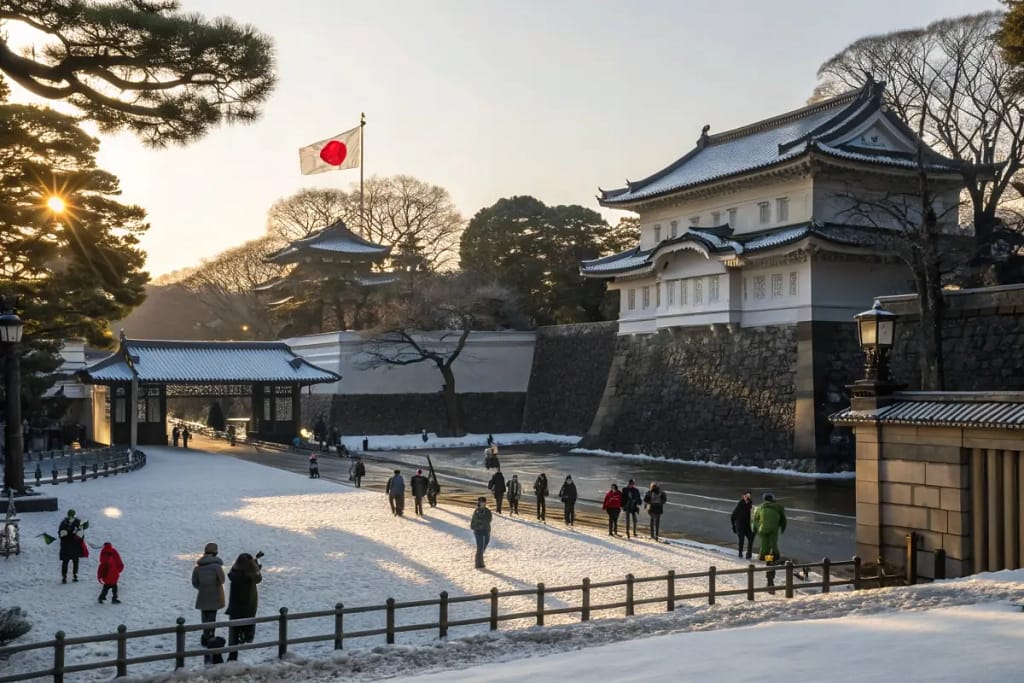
pixel 309 210
pixel 224 285
pixel 432 325
pixel 949 80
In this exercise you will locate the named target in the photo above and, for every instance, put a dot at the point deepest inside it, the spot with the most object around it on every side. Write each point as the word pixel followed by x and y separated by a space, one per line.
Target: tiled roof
pixel 775 141
pixel 334 239
pixel 969 411
pixel 206 362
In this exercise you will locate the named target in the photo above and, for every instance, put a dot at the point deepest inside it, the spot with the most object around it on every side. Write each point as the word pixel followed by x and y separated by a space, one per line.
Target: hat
pixel 398 471
pixel 768 495
pixel 631 481
pixel 71 513
pixel 210 549
pixel 419 471
pixel 481 499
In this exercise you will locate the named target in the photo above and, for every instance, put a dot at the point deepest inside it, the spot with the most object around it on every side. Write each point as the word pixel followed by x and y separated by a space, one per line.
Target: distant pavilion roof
pixel 335 242
pixel 821 129
pixel 205 362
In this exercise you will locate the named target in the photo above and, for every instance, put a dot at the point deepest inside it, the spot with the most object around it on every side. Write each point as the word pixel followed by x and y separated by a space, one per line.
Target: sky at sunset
pixel 489 99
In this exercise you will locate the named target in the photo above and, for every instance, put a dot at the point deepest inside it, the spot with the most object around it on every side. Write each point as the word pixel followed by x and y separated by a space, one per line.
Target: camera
pixel 259 554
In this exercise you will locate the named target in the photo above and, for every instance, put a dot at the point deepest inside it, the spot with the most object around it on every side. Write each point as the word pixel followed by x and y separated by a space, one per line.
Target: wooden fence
pixel 444 604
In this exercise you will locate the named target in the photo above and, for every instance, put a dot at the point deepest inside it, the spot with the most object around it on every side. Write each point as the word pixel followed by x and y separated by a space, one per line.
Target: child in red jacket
pixel 109 571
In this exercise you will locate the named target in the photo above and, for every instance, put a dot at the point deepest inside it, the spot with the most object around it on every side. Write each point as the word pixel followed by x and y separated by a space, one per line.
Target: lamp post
pixel 11 328
pixel 876 332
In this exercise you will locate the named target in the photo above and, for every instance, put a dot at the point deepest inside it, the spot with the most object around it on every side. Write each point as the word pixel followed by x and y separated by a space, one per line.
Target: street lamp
pixel 875 331
pixel 11 328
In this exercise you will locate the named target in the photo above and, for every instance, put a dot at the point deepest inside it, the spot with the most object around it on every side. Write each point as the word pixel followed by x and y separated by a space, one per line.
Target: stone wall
pixel 720 395
pixel 570 369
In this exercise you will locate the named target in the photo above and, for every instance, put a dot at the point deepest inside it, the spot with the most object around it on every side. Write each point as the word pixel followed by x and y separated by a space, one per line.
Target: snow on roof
pixel 971 411
pixel 206 361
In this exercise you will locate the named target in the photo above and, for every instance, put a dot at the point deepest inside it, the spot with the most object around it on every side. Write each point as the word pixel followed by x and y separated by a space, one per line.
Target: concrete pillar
pixel 994 495
pixel 1010 505
pixel 979 511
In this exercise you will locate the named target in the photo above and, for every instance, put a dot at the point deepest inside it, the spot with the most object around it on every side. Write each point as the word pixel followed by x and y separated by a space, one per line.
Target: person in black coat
pixel 358 472
pixel 567 494
pixel 540 489
pixel 418 484
pixel 243 599
pixel 631 502
pixel 70 534
pixel 654 501
pixel 497 485
pixel 741 523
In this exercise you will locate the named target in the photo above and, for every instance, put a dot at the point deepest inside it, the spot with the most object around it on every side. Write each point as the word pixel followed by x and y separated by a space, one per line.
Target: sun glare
pixel 56 204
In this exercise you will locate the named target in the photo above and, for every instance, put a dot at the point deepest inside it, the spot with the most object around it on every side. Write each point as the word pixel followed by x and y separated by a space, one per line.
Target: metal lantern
pixel 876 331
pixel 11 328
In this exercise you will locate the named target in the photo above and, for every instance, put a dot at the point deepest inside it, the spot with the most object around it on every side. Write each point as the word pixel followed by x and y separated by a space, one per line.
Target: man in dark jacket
pixel 631 502
pixel 568 495
pixel 497 485
pixel 418 484
pixel 358 472
pixel 480 523
pixel 654 501
pixel 514 490
pixel 395 489
pixel 741 523
pixel 540 489
pixel 433 489
pixel 70 534
pixel 208 580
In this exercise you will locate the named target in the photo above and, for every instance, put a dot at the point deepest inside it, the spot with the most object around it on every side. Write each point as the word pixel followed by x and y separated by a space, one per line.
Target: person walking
pixel 654 501
pixel 433 489
pixel 175 435
pixel 418 484
pixel 208 580
pixel 497 485
pixel 631 502
pixel 185 436
pixel 768 522
pixel 741 523
pixel 567 494
pixel 358 472
pixel 387 492
pixel 72 546
pixel 423 434
pixel 613 506
pixel 514 490
pixel 243 599
pixel 109 572
pixel 480 523
pixel 540 489
pixel 314 467
pixel 396 493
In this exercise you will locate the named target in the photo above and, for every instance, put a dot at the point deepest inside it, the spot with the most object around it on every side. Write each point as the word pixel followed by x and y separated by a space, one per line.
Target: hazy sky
pixel 491 99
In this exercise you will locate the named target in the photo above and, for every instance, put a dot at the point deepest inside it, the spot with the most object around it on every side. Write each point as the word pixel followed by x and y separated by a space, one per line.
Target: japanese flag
pixel 332 154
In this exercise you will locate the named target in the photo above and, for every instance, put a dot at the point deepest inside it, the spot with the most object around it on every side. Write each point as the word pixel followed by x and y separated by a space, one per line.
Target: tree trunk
pixel 451 401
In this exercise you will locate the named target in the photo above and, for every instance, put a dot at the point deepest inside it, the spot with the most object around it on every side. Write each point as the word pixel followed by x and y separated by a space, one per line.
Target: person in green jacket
pixel 769 521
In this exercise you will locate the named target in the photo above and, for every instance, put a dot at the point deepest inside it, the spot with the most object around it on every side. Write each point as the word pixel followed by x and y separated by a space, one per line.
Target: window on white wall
pixel 646 297
pixel 657 232
pixel 675 229
pixel 764 212
pixel 713 289
pixel 759 286
pixel 732 217
pixel 694 220
pixel 698 292
pixel 793 280
pixel 776 284
pixel 782 209
pixel 684 293
pixel 632 299
pixel 716 218
pixel 670 292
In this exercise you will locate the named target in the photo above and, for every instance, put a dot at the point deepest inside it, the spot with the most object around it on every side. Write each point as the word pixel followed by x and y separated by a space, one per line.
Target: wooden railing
pixel 444 604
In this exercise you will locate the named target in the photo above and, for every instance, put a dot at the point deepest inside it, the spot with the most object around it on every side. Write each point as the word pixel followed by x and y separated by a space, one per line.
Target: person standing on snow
pixel 358 472
pixel 314 466
pixel 418 484
pixel 175 435
pixel 433 489
pixel 70 534
pixel 185 436
pixel 497 485
pixel 208 580
pixel 396 493
pixel 540 489
pixel 613 506
pixel 109 572
pixel 654 501
pixel 741 523
pixel 568 495
pixel 480 523
pixel 631 502
pixel 515 491
pixel 768 522
pixel 243 599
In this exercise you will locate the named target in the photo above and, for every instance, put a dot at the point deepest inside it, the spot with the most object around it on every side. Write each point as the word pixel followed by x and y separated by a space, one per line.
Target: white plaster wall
pixel 833 203
pixel 491 362
pixel 851 287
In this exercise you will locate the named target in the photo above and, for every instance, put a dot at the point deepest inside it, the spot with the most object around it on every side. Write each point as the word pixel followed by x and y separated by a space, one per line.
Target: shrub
pixel 13 624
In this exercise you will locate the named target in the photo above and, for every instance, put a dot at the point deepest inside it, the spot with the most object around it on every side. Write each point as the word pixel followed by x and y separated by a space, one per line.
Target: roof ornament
pixel 703 141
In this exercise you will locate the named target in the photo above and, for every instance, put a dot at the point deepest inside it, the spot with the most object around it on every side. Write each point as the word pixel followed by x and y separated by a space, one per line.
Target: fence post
pixel 95 470
pixel 71 474
pixel 789 578
pixel 494 609
pixel 282 633
pixel 911 559
pixel 750 582
pixel 339 625
pixel 540 604
pixel 179 643
pixel 629 595
pixel 856 572
pixel 389 626
pixel 585 606
pixel 712 570
pixel 940 564
pixel 58 658
pixel 83 472
pixel 122 651
pixel 442 622
pixel 670 605
pixel 826 577
pixel 53 475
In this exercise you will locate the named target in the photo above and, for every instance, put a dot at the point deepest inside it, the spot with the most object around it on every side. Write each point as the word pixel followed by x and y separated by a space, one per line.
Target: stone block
pixel 895 536
pixel 957 568
pixel 1003 439
pixel 958 523
pixel 945 474
pixel 922 436
pixel 954 499
pixel 867 470
pixel 957 547
pixel 905 516
pixel 900 494
pixel 926 496
pixel 938 521
pixel 866 452
pixel 867 513
pixel 894 555
pixel 901 471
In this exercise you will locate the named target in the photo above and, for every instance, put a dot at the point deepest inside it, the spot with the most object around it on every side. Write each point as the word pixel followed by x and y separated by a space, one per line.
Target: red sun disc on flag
pixel 334 153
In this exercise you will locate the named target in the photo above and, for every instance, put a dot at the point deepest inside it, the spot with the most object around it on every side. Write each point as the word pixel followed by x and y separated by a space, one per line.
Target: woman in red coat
pixel 613 506
pixel 109 571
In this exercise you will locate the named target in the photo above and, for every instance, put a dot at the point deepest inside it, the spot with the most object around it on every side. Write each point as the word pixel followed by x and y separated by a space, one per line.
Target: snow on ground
pixel 327 543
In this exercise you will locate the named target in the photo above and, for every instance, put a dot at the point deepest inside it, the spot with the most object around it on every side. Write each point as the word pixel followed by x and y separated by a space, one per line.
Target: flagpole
pixel 362 210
